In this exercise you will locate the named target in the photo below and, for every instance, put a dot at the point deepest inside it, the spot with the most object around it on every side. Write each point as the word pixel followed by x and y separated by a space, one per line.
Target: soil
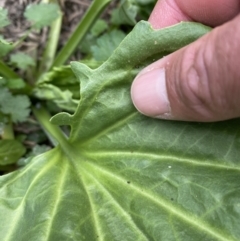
pixel 73 10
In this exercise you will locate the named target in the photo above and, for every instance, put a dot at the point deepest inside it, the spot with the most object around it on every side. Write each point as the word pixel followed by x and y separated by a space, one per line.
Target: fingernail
pixel 149 94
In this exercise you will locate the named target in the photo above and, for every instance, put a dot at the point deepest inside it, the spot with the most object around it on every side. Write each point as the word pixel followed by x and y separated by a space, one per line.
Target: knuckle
pixel 195 86
pixel 204 77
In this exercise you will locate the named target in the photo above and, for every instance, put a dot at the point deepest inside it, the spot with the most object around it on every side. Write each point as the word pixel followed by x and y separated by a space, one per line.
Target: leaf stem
pixel 50 50
pixel 20 41
pixel 54 133
pixel 7 72
pixel 83 27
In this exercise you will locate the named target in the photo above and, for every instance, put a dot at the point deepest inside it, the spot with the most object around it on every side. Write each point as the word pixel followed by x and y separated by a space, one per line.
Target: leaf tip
pixel 81 71
pixel 61 119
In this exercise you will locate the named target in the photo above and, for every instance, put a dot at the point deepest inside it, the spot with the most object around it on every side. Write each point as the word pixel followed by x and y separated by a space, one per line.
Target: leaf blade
pixel 22 60
pixel 129 177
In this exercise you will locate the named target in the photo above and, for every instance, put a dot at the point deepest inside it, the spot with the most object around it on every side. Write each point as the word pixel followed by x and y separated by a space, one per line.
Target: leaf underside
pixel 123 176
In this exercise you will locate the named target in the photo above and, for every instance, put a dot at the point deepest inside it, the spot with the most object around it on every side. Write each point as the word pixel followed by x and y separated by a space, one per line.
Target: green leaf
pixel 36 150
pixel 62 76
pixel 62 98
pixel 2 81
pixel 60 86
pixel 126 13
pixel 39 149
pixel 15 84
pixel 130 10
pixel 91 38
pixel 88 19
pixel 42 14
pixel 99 27
pixel 106 44
pixel 5 47
pixel 85 46
pixel 144 2
pixel 124 176
pixel 4 21
pixel 10 151
pixel 12 84
pixel 22 60
pixel 16 106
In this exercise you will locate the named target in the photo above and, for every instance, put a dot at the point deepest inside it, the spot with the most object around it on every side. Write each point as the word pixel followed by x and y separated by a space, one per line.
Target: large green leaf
pixel 123 176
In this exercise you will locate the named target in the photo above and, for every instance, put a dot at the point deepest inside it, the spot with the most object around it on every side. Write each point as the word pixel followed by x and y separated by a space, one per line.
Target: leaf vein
pixel 125 214
pixel 188 217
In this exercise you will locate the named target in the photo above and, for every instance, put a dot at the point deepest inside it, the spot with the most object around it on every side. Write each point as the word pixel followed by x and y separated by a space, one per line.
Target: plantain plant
pixel 118 175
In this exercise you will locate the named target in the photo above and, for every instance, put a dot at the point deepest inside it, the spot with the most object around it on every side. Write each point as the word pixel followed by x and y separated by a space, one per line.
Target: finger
pixel 210 12
pixel 200 82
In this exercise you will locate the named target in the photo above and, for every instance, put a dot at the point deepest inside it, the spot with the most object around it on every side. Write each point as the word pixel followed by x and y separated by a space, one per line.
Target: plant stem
pixel 53 132
pixel 50 50
pixel 7 72
pixel 20 41
pixel 83 27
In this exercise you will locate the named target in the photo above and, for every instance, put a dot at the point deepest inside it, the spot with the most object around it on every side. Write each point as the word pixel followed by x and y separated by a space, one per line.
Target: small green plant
pixel 118 175
pixel 38 79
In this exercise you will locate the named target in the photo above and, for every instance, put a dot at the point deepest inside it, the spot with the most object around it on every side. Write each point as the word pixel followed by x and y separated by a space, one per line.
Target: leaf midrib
pixel 62 178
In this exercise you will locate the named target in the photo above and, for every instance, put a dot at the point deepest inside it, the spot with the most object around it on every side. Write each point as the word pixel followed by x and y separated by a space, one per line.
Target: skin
pixel 202 79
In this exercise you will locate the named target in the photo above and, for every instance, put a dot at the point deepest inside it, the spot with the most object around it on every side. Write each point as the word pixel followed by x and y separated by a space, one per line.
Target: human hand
pixel 200 82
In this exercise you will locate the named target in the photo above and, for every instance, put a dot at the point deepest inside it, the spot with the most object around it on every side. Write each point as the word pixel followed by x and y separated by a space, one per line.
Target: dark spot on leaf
pixel 172 199
pixel 128 182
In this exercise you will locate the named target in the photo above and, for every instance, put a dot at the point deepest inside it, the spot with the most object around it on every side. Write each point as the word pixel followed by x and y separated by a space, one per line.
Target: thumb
pixel 200 82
